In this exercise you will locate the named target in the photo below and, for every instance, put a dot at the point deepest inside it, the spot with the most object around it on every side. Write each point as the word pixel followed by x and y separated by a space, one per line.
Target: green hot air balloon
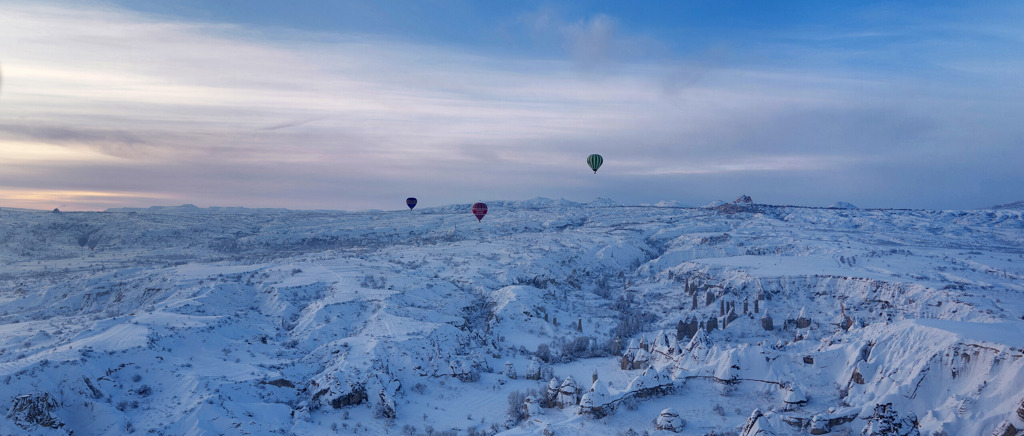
pixel 595 161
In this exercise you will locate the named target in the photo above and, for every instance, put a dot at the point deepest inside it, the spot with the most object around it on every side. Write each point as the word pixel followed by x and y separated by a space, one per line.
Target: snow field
pixel 265 322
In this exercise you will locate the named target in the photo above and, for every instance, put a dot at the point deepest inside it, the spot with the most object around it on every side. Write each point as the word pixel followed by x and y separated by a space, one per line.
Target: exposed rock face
pixel 698 347
pixel 510 370
pixel 669 420
pixel 732 316
pixel 794 398
pixel 742 204
pixel 281 383
pixel 757 425
pixel 823 423
pixel 1014 425
pixel 632 347
pixel 662 345
pixel 819 425
pixel 712 324
pixel 1006 429
pixel 595 402
pixel 751 420
pixel 886 422
pixel 531 407
pixel 35 410
pixel 802 321
pixel 463 371
pixel 686 330
pixel 568 393
pixel 857 377
pixel 533 371
pixel 650 383
pixel 642 359
pixel 356 396
pixel 385 406
pixel 552 393
pixel 95 393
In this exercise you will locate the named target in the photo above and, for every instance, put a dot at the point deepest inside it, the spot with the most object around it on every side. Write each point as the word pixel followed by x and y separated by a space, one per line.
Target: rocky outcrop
pixel 669 420
pixel 281 383
pixel 552 392
pixel 857 377
pixel 641 359
pixel 698 347
pixel 823 423
pixel 741 204
pixel 1006 428
pixel 533 371
pixel 598 402
pixel 356 395
pixel 568 393
pixel 758 425
pixel 802 321
pixel 650 383
pixel 630 354
pixel 595 402
pixel 385 407
pixel 686 330
pixel 32 411
pixel 794 398
pixel 886 422
pixel 1014 425
pixel 662 346
pixel 510 370
pixel 531 407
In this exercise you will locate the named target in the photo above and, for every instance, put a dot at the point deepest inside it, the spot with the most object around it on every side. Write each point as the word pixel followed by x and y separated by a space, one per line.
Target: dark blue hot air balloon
pixel 411 202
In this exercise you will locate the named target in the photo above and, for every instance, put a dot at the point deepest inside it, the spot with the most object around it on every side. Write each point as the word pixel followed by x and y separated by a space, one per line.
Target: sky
pixel 357 105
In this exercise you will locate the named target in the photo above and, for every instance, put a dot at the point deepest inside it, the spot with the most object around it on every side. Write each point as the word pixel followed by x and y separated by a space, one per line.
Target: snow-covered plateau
pixel 548 317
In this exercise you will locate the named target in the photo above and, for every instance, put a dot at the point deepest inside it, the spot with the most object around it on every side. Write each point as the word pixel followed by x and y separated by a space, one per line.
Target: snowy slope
pixel 235 321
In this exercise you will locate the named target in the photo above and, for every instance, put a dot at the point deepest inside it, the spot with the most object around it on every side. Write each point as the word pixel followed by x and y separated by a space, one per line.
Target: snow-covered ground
pixel 234 321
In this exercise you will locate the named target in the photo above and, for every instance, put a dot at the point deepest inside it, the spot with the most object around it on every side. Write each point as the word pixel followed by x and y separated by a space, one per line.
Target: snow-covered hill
pixel 843 205
pixel 547 316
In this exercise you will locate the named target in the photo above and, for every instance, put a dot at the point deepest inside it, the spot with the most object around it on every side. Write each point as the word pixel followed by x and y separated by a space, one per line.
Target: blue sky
pixel 355 105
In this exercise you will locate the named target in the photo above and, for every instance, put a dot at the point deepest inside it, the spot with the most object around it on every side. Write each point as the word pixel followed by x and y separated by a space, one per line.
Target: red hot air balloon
pixel 479 209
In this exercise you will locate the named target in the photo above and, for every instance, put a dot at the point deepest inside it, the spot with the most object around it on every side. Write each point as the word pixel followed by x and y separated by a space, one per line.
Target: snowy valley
pixel 547 317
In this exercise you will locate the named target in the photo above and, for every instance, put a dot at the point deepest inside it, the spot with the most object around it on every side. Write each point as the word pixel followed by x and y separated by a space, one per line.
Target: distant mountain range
pixel 1014 205
pixel 193 209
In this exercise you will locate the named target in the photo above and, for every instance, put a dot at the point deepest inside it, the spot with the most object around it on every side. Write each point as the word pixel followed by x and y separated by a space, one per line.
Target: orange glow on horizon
pixel 80 200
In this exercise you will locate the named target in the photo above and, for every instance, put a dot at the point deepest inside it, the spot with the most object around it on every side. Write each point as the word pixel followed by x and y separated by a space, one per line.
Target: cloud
pixel 594 44
pixel 219 114
pixel 590 41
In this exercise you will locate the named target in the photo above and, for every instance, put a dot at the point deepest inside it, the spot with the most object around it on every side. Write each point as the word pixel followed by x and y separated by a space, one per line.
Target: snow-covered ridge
pixel 1018 205
pixel 748 316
